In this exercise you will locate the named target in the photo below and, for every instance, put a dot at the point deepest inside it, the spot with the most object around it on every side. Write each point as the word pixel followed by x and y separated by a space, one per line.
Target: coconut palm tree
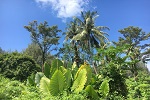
pixel 89 34
pixel 84 34
pixel 73 30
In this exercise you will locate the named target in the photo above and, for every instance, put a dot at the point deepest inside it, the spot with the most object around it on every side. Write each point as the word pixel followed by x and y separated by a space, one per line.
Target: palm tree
pixel 90 35
pixel 84 34
pixel 73 30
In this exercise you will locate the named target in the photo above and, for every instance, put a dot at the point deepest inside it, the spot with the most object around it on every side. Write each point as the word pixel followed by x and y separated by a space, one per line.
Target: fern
pixel 57 83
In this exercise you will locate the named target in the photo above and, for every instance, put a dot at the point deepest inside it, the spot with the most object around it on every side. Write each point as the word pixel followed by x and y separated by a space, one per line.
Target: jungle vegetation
pixel 88 66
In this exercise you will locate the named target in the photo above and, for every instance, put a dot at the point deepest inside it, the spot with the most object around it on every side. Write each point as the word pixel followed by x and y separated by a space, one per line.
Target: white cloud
pixel 65 8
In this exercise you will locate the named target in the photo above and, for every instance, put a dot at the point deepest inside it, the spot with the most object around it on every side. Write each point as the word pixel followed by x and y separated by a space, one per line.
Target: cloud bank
pixel 65 8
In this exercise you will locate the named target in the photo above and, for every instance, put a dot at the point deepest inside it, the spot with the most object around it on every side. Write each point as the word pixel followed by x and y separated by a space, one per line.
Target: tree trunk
pixel 76 58
pixel 95 68
pixel 43 61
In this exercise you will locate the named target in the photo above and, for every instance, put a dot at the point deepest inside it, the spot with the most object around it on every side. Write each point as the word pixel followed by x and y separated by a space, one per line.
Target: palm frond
pixel 99 33
pixel 102 28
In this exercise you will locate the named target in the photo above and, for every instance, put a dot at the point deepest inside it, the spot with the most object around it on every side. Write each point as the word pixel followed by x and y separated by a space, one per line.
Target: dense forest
pixel 88 66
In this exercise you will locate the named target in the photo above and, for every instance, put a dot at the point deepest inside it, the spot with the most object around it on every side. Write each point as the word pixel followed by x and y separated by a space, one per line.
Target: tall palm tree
pixel 73 30
pixel 85 34
pixel 90 35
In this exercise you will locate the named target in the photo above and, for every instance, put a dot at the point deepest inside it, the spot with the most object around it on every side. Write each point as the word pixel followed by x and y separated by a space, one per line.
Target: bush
pixel 17 66
pixel 16 90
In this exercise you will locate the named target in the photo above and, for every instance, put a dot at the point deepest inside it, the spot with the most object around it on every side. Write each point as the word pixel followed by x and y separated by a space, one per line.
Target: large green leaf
pixel 92 93
pixel 38 77
pixel 63 69
pixel 56 63
pixel 47 70
pixel 57 83
pixel 31 80
pixel 80 81
pixel 68 78
pixel 74 69
pixel 89 72
pixel 44 85
pixel 104 88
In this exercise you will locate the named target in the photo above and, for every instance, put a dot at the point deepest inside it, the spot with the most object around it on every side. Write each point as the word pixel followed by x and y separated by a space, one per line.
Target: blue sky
pixel 115 14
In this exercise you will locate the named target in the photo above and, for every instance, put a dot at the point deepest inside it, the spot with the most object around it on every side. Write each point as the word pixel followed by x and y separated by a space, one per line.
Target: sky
pixel 115 14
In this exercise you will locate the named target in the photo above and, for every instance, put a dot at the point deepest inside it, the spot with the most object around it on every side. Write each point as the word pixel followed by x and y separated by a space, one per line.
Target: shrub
pixel 17 66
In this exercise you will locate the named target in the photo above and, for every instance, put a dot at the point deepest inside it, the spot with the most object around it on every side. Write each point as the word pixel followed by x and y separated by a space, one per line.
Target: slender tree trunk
pixel 76 58
pixel 43 60
pixel 95 68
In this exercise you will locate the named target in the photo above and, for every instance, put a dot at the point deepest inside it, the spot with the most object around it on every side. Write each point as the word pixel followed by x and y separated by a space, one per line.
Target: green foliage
pixel 104 88
pixel 57 83
pixel 80 80
pixel 38 77
pixel 139 89
pixel 15 90
pixel 136 38
pixel 113 67
pixel 68 77
pixel 85 36
pixel 91 92
pixel 66 96
pixel 89 73
pixel 56 63
pixel 17 66
pixel 45 85
pixel 44 36
pixel 31 80
pixel 66 52
pixel 47 70
pixel 34 51
pixel 60 80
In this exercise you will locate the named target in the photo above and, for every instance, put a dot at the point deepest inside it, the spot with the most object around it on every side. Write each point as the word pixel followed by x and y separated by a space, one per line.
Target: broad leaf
pixel 38 77
pixel 63 69
pixel 44 85
pixel 80 81
pixel 31 80
pixel 47 70
pixel 89 72
pixel 68 78
pixel 57 83
pixel 56 63
pixel 104 88
pixel 91 92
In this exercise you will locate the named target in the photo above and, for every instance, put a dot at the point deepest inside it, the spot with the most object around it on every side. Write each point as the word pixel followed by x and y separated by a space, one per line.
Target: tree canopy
pixel 45 36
